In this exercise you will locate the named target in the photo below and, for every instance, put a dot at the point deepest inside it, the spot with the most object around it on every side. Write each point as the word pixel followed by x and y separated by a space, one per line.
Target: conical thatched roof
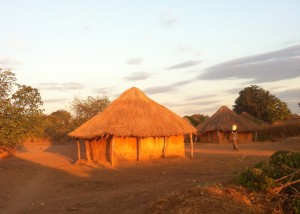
pixel 247 116
pixel 223 120
pixel 250 118
pixel 133 114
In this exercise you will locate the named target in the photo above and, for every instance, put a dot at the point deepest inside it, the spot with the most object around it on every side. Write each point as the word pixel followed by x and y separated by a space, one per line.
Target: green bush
pixel 255 179
pixel 266 175
pixel 290 159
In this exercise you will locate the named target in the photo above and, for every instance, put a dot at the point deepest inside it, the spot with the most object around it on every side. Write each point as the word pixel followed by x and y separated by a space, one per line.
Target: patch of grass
pixel 210 199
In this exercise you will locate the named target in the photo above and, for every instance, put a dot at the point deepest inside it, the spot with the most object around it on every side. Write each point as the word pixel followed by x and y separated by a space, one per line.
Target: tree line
pixel 22 114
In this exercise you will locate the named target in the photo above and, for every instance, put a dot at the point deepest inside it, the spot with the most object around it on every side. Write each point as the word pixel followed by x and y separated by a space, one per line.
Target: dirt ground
pixel 45 179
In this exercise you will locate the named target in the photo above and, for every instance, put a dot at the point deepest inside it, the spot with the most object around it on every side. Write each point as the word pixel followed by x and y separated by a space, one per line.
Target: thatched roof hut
pixel 134 117
pixel 218 127
pixel 252 119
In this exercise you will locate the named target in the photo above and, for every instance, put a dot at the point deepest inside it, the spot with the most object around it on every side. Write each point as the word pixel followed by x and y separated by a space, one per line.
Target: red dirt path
pixel 44 178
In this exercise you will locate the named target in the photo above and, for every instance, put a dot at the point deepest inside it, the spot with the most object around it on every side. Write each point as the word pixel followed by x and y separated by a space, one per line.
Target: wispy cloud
pixel 167 19
pixel 104 90
pixel 291 97
pixel 234 90
pixel 159 89
pixel 55 100
pixel 8 62
pixel 268 67
pixel 61 86
pixel 276 88
pixel 135 61
pixel 200 97
pixel 184 64
pixel 167 88
pixel 195 103
pixel 137 76
pixel 183 82
pixel 290 94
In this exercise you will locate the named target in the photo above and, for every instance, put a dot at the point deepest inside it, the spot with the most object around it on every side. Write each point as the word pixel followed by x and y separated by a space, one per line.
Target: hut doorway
pixel 227 137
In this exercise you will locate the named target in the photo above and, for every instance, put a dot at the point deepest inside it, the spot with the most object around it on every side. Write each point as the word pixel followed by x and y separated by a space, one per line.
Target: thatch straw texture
pixel 133 114
pixel 255 121
pixel 223 120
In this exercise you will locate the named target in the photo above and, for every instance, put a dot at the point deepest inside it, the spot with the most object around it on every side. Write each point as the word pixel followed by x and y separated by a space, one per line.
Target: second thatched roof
pixel 223 120
pixel 133 114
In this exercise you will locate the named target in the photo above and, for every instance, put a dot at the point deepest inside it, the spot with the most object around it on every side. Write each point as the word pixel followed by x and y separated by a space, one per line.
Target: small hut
pixel 217 128
pixel 253 120
pixel 133 127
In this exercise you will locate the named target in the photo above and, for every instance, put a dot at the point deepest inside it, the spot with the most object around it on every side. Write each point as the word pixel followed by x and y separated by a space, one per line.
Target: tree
pixel 196 119
pixel 7 82
pixel 85 109
pixel 261 104
pixel 58 125
pixel 20 110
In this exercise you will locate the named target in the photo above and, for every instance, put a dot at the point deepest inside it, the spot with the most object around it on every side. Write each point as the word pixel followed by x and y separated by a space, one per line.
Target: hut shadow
pixel 29 187
pixel 69 151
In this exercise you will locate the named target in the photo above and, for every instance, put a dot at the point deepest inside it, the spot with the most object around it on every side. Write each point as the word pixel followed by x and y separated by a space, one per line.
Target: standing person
pixel 234 140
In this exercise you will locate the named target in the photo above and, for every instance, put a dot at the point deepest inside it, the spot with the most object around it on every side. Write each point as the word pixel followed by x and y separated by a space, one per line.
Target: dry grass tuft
pixel 211 200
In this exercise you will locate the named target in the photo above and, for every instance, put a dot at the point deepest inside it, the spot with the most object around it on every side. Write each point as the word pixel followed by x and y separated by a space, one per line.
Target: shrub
pixel 280 174
pixel 255 179
pixel 290 159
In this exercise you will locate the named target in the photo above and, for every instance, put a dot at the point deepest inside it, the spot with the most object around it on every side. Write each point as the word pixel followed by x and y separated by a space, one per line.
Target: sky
pixel 191 56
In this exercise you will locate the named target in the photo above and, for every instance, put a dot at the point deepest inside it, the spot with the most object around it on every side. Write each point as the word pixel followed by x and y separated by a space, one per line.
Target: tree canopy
pixel 20 109
pixel 261 104
pixel 85 109
pixel 58 125
pixel 196 119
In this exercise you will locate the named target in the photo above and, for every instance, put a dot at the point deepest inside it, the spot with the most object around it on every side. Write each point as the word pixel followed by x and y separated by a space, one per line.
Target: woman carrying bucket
pixel 234 137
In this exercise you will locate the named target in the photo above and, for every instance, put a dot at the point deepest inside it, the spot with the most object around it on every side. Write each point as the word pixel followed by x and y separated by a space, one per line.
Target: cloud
pixel 159 89
pixel 8 62
pixel 184 64
pixel 137 76
pixel 234 90
pixel 290 94
pixel 61 86
pixel 55 100
pixel 200 97
pixel 103 90
pixel 202 110
pixel 276 88
pixel 268 67
pixel 135 61
pixel 167 88
pixel 291 97
pixel 167 19
pixel 196 103
pixel 183 82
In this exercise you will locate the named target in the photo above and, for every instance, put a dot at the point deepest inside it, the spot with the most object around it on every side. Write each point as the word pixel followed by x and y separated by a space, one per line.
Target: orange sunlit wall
pixel 128 148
